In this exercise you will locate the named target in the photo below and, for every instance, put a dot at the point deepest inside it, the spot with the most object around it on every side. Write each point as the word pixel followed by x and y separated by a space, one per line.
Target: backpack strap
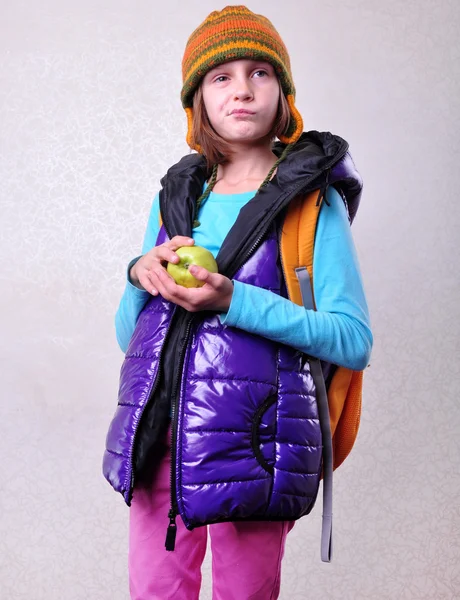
pixel 323 413
pixel 296 249
pixel 297 255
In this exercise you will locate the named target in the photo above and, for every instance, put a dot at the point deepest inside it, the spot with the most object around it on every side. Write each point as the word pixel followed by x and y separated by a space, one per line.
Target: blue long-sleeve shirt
pixel 338 331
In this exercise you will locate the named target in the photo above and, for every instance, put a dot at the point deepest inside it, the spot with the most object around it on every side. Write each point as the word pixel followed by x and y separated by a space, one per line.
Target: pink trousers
pixel 246 556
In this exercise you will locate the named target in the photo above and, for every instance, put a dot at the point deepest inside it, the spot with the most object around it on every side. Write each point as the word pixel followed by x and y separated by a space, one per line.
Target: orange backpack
pixel 344 391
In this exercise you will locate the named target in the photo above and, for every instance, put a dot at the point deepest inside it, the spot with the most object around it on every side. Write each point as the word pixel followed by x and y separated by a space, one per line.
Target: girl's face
pixel 241 99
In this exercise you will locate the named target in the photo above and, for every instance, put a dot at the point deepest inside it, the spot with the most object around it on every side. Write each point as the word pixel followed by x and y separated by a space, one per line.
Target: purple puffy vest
pixel 246 434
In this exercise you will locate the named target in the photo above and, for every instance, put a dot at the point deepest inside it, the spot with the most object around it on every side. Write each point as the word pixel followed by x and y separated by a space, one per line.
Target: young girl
pixel 217 411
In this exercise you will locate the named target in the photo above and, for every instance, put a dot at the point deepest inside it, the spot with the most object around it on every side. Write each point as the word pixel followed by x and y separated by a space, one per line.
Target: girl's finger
pixel 162 277
pixel 178 241
pixel 148 284
pixel 167 254
pixel 162 273
pixel 162 282
pixel 200 273
pixel 153 281
pixel 174 292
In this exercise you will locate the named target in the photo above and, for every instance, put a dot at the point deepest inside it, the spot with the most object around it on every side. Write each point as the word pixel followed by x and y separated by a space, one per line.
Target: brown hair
pixel 213 146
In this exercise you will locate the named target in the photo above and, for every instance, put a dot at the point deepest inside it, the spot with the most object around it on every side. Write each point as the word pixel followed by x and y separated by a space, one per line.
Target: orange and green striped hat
pixel 230 34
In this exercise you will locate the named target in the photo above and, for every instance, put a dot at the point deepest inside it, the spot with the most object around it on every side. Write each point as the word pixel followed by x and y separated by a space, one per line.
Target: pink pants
pixel 246 556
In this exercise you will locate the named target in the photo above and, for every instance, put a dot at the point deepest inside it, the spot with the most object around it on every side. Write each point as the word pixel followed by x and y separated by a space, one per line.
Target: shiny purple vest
pixel 247 436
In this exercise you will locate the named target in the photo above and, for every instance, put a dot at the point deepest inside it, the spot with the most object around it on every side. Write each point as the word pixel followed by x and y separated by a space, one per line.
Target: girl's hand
pixel 216 294
pixel 142 271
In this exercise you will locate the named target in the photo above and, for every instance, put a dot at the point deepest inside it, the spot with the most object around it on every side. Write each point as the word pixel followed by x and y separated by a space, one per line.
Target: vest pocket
pixel 263 434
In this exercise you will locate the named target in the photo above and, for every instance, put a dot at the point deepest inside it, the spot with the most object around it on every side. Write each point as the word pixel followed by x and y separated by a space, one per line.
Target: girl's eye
pixel 261 73
pixel 221 78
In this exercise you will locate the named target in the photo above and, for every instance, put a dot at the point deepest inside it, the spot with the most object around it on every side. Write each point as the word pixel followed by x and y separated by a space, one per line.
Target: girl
pixel 217 415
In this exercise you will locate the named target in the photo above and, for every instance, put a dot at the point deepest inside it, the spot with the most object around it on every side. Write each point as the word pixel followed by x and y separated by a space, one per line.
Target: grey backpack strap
pixel 325 425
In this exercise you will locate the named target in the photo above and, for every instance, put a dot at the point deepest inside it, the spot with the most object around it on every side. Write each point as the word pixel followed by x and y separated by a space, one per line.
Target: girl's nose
pixel 242 90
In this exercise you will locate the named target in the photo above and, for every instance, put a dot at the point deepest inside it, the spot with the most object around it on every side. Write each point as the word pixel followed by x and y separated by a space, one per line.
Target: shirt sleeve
pixel 134 299
pixel 339 330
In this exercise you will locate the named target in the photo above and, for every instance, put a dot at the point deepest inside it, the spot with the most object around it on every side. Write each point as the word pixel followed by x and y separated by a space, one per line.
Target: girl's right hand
pixel 155 260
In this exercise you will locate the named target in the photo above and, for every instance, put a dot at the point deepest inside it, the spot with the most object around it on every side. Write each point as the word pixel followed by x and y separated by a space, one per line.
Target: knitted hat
pixel 230 34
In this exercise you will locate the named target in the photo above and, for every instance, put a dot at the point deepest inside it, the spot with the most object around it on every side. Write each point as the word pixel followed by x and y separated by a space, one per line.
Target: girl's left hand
pixel 216 293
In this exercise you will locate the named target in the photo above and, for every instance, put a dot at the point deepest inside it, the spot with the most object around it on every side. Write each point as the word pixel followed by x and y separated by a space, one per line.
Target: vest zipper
pixel 171 531
pixel 152 393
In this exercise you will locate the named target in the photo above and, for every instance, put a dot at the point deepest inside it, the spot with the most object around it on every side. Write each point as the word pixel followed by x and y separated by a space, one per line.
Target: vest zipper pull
pixel 170 543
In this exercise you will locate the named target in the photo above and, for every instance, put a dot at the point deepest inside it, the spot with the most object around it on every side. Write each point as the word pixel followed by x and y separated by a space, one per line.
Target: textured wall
pixel 90 119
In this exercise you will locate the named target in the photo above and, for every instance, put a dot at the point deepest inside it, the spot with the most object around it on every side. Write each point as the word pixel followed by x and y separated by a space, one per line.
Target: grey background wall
pixel 90 119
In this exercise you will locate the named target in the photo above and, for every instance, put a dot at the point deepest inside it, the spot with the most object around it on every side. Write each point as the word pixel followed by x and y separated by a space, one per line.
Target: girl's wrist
pixel 228 299
pixel 132 275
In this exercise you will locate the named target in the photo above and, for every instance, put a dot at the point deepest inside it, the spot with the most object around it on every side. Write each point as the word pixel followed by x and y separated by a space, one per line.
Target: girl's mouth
pixel 241 111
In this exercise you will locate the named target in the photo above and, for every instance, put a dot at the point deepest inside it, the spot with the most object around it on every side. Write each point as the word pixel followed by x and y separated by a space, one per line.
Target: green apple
pixel 191 255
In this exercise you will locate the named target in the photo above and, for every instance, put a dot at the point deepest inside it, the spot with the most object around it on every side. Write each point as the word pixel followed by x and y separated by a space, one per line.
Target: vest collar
pixel 305 169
